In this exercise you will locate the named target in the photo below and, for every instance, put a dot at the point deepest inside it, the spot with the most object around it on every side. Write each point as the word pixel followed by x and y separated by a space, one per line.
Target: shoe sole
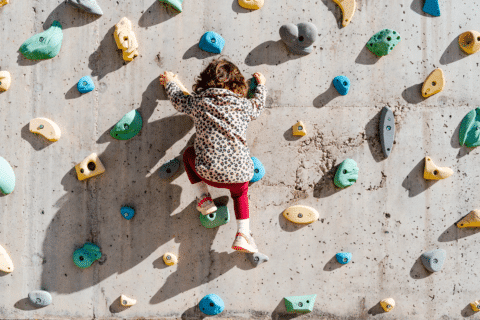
pixel 240 249
pixel 211 210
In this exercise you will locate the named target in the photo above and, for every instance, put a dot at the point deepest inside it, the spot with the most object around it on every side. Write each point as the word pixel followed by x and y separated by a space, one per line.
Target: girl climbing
pixel 221 158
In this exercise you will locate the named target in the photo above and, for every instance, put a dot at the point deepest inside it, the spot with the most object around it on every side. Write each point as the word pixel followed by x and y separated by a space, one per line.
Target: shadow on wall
pixel 326 97
pixel 376 309
pixel 106 58
pixel 453 53
pixel 69 17
pixel 280 312
pixel 366 57
pixel 454 233
pixel 415 183
pixel 325 186
pixel 195 52
pixel 418 271
pixel 156 14
pixel 289 226
pixel 455 143
pixel 467 311
pixel 238 9
pixel 372 136
pixel 417 6
pixel 335 10
pixel 413 94
pixel 332 264
pixel 271 53
pixel 36 141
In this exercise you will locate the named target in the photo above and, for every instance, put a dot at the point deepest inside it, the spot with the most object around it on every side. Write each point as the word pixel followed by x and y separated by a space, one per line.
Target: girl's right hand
pixel 260 78
pixel 166 77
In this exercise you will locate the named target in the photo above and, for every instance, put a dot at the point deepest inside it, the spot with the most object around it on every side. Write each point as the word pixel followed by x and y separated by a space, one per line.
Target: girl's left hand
pixel 166 77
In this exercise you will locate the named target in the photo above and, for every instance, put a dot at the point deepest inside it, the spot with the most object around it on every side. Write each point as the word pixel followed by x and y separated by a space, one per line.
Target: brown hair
pixel 223 74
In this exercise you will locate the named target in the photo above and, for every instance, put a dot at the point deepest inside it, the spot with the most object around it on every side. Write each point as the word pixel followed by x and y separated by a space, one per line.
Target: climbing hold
pixel 475 305
pixel 175 4
pixel 343 257
pixel 300 304
pixel 211 42
pixel 434 83
pixel 348 10
pixel 299 129
pixel 299 38
pixel 126 301
pixel 5 80
pixel 215 219
pixel 126 39
pixel 45 45
pixel 387 304
pixel 471 220
pixel 432 7
pixel 46 128
pixel 470 41
pixel 86 255
pixel 40 298
pixel 179 83
pixel 301 214
pixel 470 129
pixel 127 212
pixel 433 172
pixel 251 4
pixel 433 260
pixel 170 259
pixel 4 2
pixel 257 258
pixel 347 174
pixel 252 86
pixel 91 166
pixel 383 42
pixel 387 130
pixel 6 264
pixel 89 6
pixel 258 170
pixel 342 84
pixel 211 304
pixel 85 85
pixel 128 127
pixel 7 177
pixel 168 169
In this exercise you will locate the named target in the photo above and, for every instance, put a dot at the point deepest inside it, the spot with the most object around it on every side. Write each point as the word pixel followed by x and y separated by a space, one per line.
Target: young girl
pixel 221 158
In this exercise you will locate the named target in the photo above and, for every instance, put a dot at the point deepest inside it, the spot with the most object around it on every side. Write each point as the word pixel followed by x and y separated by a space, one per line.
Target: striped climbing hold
pixel 347 174
pixel 212 42
pixel 300 304
pixel 299 38
pixel 44 45
pixel 258 170
pixel 168 169
pixel 432 7
pixel 40 298
pixel 211 304
pixel 383 42
pixel 85 85
pixel 342 84
pixel 89 6
pixel 128 127
pixel 343 257
pixel 215 219
pixel 7 177
pixel 470 129
pixel 433 260
pixel 85 256
pixel 175 4
pixel 127 212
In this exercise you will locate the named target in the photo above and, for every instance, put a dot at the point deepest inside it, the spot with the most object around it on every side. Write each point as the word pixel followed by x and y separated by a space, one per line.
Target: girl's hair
pixel 223 74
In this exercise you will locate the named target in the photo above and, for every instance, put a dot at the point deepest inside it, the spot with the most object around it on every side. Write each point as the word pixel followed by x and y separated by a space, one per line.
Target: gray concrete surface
pixel 387 219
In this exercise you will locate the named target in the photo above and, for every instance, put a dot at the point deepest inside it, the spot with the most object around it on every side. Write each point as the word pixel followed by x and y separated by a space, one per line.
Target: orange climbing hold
pixel 471 220
pixel 470 41
pixel 91 166
pixel 251 4
pixel 434 172
pixel 434 83
pixel 299 129
pixel 348 10
pixel 4 2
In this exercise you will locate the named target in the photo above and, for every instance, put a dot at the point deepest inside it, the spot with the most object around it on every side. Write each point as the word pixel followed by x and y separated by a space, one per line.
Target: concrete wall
pixel 387 219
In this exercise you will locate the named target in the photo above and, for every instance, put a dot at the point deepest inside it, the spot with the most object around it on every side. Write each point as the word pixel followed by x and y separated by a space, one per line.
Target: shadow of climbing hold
pixel 4 2
pixel 301 214
pixel 251 4
pixel 433 260
pixel 347 174
pixel 85 85
pixel 432 7
pixel 342 84
pixel 387 130
pixel 6 263
pixel 212 42
pixel 168 169
pixel 7 177
pixel 211 304
pixel 434 84
pixel 89 6
pixel 5 80
pixel 258 170
pixel 126 301
pixel 86 255
pixel 471 220
pixel 45 45
pixel 348 10
pixel 387 304
pixel 40 298
pixel 434 172
pixel 475 305
pixel 252 86
pixel 469 134
pixel 300 304
pixel 179 83
pixel 299 129
pixel 128 127
pixel 343 257
pixel 469 41
pixel 91 166
pixel 125 39
pixel 257 258
pixel 170 259
pixel 175 4
pixel 299 38
pixel 215 219
pixel 46 128
pixel 383 42
pixel 127 212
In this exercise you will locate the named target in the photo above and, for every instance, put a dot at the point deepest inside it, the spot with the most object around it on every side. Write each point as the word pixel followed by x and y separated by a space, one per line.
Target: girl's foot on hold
pixel 244 243
pixel 205 204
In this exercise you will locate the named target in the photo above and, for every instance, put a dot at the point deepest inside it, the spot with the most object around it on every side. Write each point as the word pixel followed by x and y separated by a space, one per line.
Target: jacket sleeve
pixel 256 105
pixel 181 102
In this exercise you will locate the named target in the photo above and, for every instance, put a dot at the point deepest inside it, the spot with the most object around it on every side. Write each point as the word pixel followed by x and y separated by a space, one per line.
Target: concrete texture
pixel 387 219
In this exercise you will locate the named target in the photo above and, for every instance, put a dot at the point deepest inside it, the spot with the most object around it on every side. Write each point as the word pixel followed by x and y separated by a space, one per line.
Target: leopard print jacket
pixel 221 119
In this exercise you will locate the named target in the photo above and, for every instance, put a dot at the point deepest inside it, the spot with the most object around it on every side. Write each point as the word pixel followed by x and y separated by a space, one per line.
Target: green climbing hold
pixel 175 4
pixel 470 129
pixel 128 127
pixel 300 304
pixel 215 219
pixel 85 256
pixel 45 45
pixel 347 174
pixel 383 42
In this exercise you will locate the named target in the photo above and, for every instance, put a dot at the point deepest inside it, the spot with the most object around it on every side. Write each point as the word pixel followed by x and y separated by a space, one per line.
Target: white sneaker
pixel 244 243
pixel 205 204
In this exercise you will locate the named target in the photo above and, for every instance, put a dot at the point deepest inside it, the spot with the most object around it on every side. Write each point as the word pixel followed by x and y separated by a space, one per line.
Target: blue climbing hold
pixel 432 7
pixel 211 304
pixel 342 84
pixel 85 85
pixel 86 255
pixel 212 42
pixel 169 169
pixel 127 212
pixel 258 170
pixel 7 177
pixel 343 257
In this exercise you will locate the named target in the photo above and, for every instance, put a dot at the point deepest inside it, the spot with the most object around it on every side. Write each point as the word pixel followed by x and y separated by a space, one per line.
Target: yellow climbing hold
pixel 348 10
pixel 475 305
pixel 126 39
pixel 5 80
pixel 387 304
pixel 299 129
pixel 179 83
pixel 470 41
pixel 251 4
pixel 434 83
pixel 434 172
pixel 170 259
pixel 91 166
pixel 471 220
pixel 6 264
pixel 46 128
pixel 4 2
pixel 301 214
pixel 126 301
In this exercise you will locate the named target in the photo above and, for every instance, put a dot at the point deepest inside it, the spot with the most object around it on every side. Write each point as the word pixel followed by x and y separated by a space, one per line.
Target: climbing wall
pixel 387 219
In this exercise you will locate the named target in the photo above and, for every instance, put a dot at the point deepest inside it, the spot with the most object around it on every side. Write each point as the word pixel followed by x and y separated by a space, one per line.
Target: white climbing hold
pixel 46 128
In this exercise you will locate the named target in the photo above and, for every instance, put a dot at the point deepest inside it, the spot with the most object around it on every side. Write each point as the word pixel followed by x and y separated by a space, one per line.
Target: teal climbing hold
pixel 300 304
pixel 347 174
pixel 383 42
pixel 470 129
pixel 85 85
pixel 89 6
pixel 211 304
pixel 175 4
pixel 215 219
pixel 342 84
pixel 127 212
pixel 258 170
pixel 7 177
pixel 85 256
pixel 252 86
pixel 128 127
pixel 343 257
pixel 45 45
pixel 432 7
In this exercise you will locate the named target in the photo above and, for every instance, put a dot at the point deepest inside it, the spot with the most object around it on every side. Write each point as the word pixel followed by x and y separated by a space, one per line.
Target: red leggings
pixel 238 191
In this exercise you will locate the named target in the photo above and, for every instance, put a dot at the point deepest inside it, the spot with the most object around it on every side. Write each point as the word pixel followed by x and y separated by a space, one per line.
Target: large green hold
pixel 383 42
pixel 7 177
pixel 128 127
pixel 215 219
pixel 175 4
pixel 300 304
pixel 470 129
pixel 347 174
pixel 85 256
pixel 45 45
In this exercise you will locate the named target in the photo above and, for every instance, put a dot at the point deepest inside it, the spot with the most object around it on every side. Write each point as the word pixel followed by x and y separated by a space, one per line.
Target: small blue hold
pixel 432 7
pixel 258 170
pixel 212 42
pixel 342 84
pixel 85 85
pixel 343 257
pixel 211 304
pixel 127 212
